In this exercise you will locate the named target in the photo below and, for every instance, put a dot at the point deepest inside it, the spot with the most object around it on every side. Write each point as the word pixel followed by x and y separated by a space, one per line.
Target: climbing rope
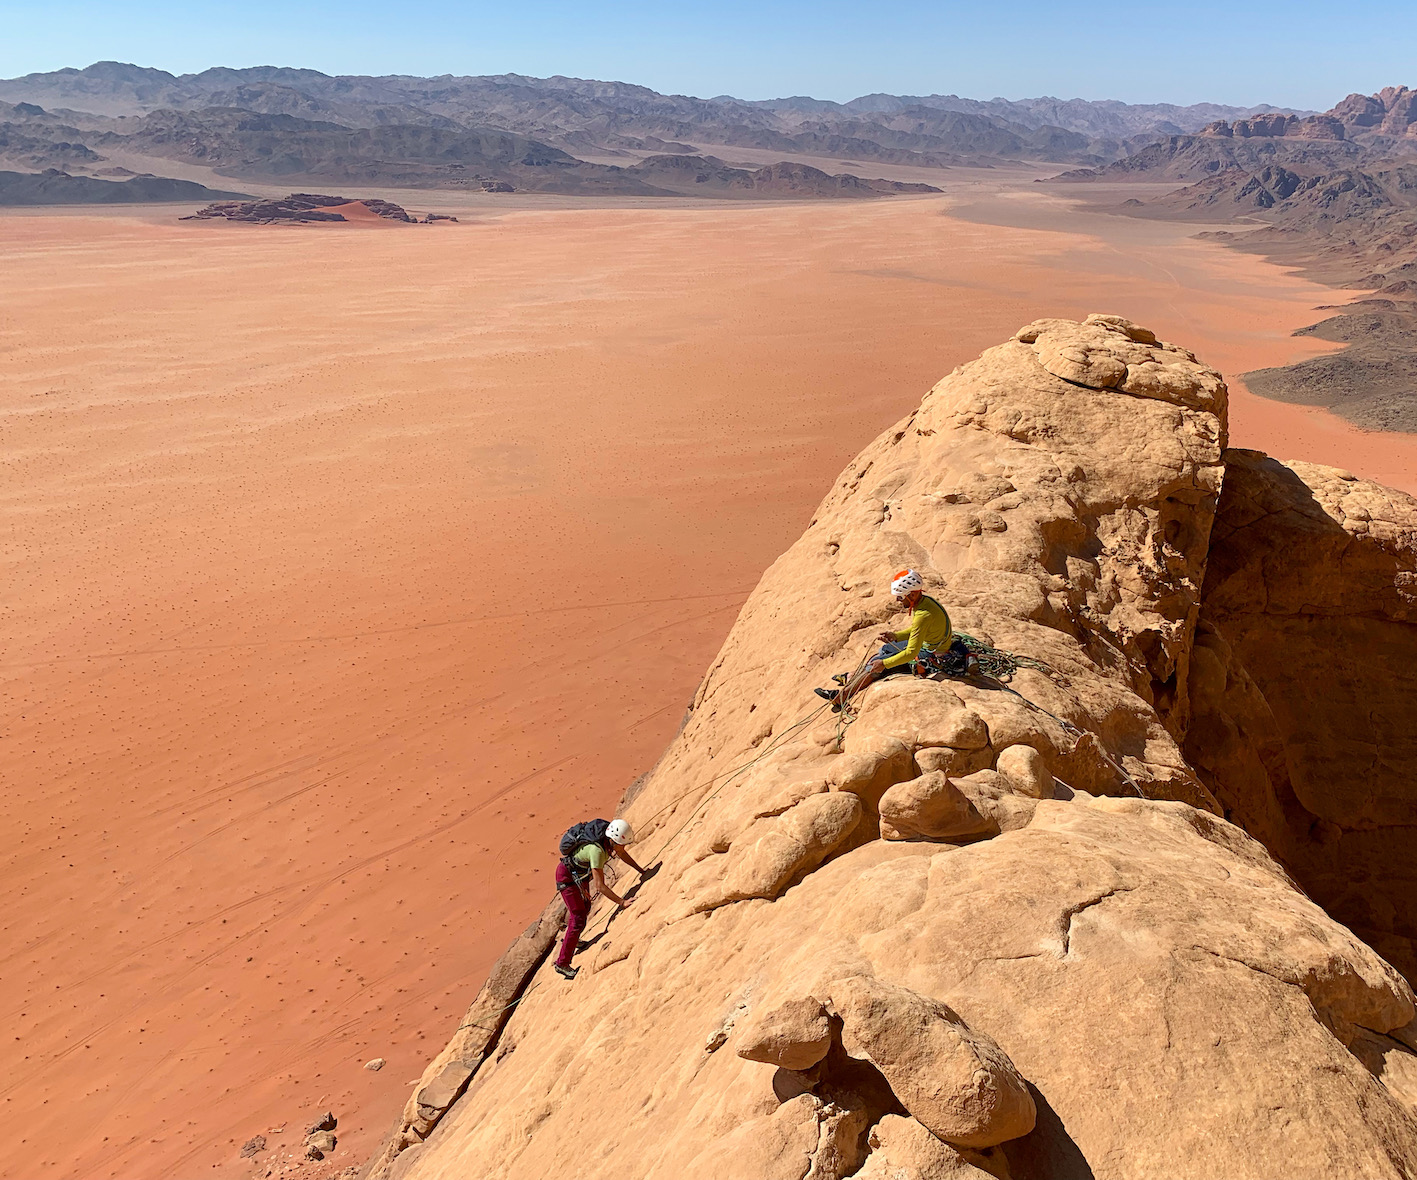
pixel 999 666
pixel 844 719
pixel 507 1008
pixel 992 663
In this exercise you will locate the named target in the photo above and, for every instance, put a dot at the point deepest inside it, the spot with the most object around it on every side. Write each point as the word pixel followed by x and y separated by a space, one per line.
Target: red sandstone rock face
pixel 1393 110
pixel 1390 112
pixel 959 937
pixel 1304 684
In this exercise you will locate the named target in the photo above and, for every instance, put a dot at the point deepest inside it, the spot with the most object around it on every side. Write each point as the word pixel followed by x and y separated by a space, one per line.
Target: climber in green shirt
pixel 929 631
pixel 585 850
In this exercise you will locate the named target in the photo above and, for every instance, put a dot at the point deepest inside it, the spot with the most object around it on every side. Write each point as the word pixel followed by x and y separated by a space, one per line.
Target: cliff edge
pixel 989 930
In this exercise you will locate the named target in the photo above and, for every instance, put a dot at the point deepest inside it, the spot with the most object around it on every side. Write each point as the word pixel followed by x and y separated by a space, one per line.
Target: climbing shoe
pixel 567 972
pixel 827 694
pixel 841 678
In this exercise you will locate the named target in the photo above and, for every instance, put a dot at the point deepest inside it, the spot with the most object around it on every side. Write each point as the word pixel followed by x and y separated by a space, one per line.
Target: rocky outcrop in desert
pixel 300 207
pixel 980 929
pixel 1389 114
pixel 1363 129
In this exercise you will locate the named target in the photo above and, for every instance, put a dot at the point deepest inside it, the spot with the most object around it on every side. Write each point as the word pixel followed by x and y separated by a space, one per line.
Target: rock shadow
pixel 1047 1152
pixel 1303 686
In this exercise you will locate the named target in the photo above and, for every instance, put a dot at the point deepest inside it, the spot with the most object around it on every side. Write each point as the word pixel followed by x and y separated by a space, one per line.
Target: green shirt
pixel 929 628
pixel 593 856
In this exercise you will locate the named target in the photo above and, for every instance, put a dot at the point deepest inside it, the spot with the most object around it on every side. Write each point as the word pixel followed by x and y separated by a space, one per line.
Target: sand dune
pixel 346 569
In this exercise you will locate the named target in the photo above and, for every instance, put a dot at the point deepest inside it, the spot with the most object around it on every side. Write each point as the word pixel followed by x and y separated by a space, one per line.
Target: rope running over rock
pixel 994 663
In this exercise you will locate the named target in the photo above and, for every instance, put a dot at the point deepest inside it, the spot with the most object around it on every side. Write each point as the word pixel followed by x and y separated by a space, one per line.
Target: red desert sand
pixel 344 570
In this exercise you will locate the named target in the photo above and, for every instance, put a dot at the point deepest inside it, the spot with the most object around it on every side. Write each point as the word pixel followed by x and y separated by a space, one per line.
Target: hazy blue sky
pixel 1301 53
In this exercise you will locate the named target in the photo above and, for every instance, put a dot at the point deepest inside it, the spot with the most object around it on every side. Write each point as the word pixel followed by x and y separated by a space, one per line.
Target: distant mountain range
pixel 579 136
pixel 1361 130
pixel 1334 194
pixel 531 133
pixel 54 187
pixel 1337 188
pixel 1107 118
pixel 114 88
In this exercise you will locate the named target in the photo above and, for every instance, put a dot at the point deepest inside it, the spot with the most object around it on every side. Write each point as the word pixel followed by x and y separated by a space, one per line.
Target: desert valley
pixel 393 465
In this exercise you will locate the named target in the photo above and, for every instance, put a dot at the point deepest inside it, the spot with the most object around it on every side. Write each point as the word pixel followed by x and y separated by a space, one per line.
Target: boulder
pixel 794 843
pixel 793 1035
pixel 1026 771
pixel 902 1149
pixel 319 1144
pixel 919 713
pixel 324 1122
pixel 954 1081
pixel 994 798
pixel 933 807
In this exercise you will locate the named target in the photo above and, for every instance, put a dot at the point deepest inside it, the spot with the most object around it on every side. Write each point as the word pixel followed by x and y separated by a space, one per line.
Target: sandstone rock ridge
pixel 1028 931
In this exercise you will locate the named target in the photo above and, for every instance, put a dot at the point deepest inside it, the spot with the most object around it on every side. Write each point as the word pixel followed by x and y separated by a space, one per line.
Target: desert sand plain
pixel 346 566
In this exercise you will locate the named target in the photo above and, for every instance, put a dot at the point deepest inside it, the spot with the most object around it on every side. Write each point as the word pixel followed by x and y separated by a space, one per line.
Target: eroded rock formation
pixel 299 207
pixel 974 932
pixel 1304 683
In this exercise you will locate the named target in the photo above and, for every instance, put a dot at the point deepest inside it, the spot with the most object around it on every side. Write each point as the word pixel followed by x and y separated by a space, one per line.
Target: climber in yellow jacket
pixel 929 631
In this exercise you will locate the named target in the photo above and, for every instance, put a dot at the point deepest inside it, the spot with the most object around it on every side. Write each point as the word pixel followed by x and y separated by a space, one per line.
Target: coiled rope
pixel 1001 665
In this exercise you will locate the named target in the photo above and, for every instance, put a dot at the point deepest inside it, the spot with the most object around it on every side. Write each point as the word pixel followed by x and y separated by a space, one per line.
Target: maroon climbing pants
pixel 578 907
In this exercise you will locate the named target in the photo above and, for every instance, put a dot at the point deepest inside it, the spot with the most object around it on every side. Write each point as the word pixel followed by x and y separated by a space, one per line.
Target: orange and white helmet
pixel 906 582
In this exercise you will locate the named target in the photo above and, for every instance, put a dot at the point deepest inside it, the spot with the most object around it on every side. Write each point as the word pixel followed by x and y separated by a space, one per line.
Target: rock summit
pixel 1071 926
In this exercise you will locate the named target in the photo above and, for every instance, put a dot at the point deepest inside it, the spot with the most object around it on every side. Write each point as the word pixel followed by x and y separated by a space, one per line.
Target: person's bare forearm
pixel 605 891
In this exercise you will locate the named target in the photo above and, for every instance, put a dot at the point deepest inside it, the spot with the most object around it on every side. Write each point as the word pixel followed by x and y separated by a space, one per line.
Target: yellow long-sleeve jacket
pixel 929 628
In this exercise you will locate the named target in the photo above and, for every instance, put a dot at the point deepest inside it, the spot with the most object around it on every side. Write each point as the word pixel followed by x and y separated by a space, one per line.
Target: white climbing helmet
pixel 620 832
pixel 906 582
